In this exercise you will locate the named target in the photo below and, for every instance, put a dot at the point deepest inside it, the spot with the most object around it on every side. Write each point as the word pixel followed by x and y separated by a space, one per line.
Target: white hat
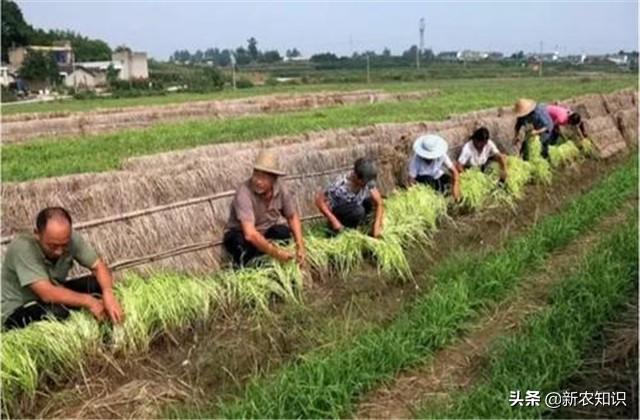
pixel 430 146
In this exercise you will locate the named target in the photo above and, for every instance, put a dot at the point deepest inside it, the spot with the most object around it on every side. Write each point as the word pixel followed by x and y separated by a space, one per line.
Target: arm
pixel 376 197
pixel 296 228
pixel 323 206
pixel 49 293
pixel 502 161
pixel 261 243
pixel 105 280
pixel 455 176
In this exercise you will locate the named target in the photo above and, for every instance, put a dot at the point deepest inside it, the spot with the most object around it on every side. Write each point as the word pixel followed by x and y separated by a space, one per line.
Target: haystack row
pixel 23 127
pixel 188 229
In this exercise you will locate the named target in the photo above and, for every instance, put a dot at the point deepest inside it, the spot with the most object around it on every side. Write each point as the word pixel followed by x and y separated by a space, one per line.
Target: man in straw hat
pixel 431 165
pixel 35 270
pixel 257 214
pixel 349 200
pixel 528 112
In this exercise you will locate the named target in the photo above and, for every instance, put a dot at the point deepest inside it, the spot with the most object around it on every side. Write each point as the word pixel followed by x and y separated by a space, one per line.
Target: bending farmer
pixel 352 197
pixel 539 122
pixel 478 151
pixel 431 165
pixel 35 270
pixel 257 216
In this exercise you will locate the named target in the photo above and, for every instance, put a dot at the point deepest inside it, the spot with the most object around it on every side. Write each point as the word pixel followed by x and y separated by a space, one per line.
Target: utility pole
pixel 368 70
pixel 419 50
pixel 541 60
pixel 233 70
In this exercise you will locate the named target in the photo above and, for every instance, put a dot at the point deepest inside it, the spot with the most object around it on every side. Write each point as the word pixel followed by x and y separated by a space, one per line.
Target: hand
pixel 337 226
pixel 516 140
pixel 456 193
pixel 503 176
pixel 112 307
pixel 300 256
pixel 96 307
pixel 377 231
pixel 283 256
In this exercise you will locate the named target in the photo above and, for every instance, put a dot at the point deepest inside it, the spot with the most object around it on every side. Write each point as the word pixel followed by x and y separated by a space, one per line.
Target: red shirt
pixel 559 115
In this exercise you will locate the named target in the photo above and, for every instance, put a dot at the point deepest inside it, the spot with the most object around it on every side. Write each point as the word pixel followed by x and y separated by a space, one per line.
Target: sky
pixel 161 27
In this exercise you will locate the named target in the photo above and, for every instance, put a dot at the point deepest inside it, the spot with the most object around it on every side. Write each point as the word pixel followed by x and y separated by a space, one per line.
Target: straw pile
pixel 183 175
pixel 21 127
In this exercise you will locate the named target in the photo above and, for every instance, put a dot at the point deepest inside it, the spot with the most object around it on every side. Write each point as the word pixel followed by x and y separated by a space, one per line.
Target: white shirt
pixel 421 167
pixel 471 156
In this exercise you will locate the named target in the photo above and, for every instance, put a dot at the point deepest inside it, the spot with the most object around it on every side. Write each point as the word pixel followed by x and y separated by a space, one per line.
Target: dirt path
pixel 215 359
pixel 455 367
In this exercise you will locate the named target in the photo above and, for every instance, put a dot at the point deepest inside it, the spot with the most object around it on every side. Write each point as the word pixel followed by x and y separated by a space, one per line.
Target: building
pixel 61 51
pixel 469 55
pixel 6 77
pixel 86 78
pixel 448 56
pixel 133 65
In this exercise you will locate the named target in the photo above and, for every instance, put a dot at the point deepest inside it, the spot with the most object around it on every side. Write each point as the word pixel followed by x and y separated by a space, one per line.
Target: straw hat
pixel 523 107
pixel 430 146
pixel 267 162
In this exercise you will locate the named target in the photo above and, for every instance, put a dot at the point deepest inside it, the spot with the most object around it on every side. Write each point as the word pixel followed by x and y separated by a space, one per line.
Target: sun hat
pixel 524 106
pixel 430 146
pixel 267 162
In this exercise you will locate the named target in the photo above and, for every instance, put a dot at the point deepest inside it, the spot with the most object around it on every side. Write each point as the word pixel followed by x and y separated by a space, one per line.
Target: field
pixel 457 305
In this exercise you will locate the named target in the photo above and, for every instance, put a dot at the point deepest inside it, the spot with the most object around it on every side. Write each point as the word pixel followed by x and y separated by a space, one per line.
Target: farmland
pixel 335 340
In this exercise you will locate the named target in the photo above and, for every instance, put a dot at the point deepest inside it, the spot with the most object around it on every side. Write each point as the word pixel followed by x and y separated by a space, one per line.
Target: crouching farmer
pixel 479 151
pixel 536 117
pixel 35 270
pixel 257 215
pixel 431 165
pixel 351 198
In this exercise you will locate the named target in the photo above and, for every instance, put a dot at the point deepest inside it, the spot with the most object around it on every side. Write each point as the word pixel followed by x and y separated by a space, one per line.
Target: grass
pixel 565 154
pixel 550 346
pixel 47 158
pixel 325 384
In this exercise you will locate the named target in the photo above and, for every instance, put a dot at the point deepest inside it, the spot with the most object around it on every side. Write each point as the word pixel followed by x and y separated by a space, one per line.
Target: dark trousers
pixel 441 184
pixel 547 139
pixel 352 215
pixel 242 251
pixel 38 310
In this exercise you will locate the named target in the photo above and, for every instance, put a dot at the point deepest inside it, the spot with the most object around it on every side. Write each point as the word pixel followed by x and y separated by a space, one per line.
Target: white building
pixel 133 65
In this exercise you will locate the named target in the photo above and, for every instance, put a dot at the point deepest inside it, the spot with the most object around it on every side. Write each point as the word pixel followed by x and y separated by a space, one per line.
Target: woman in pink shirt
pixel 564 116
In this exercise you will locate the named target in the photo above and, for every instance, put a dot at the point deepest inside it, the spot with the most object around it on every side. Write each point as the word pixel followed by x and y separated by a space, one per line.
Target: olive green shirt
pixel 25 263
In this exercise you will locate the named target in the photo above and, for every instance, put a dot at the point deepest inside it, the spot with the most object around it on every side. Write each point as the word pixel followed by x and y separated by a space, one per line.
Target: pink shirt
pixel 559 115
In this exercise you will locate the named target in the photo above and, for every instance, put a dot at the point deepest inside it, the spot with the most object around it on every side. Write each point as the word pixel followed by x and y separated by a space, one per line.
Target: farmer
pixel 352 197
pixel 431 165
pixel 528 112
pixel 257 216
pixel 478 151
pixel 35 270
pixel 562 116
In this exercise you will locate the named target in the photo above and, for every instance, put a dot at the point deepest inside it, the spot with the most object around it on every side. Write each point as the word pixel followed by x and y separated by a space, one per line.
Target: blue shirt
pixel 539 118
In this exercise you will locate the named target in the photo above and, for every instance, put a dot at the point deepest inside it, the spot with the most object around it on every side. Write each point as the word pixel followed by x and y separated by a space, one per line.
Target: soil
pixel 214 359
pixel 457 366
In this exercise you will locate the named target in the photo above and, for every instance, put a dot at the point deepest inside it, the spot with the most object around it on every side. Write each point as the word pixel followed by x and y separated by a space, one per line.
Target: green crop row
pixel 550 346
pixel 326 384
pixel 55 157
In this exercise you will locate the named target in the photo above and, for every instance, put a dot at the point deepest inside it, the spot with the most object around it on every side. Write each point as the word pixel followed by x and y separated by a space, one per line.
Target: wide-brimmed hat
pixel 267 161
pixel 430 146
pixel 524 106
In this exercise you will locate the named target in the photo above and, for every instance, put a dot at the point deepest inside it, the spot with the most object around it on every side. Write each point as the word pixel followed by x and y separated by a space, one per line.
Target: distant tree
pixel 39 66
pixel 518 56
pixel 410 54
pixel 242 56
pixel 211 54
pixel 122 48
pixel 224 59
pixel 112 75
pixel 293 53
pixel 270 57
pixel 198 56
pixel 252 48
pixel 324 58
pixel 15 31
pixel 386 52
